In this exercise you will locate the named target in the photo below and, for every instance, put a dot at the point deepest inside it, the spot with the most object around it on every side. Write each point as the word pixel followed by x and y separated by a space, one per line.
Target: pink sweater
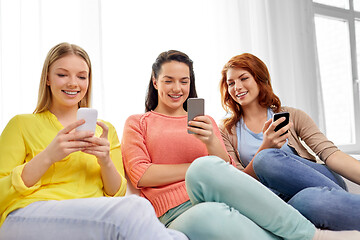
pixel 156 138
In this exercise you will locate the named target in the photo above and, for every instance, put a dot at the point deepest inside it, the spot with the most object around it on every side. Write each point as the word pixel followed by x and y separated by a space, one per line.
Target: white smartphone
pixel 90 116
pixel 195 107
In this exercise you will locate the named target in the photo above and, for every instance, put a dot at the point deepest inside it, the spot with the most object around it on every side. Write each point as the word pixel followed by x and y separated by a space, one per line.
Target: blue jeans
pixel 317 192
pixel 229 204
pixel 104 218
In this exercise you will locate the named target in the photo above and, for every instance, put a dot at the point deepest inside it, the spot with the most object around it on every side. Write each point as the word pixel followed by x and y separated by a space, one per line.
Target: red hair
pixel 260 73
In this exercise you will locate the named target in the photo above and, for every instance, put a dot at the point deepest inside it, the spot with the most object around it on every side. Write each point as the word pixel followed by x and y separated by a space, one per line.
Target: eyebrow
pixel 60 68
pixel 230 79
pixel 166 76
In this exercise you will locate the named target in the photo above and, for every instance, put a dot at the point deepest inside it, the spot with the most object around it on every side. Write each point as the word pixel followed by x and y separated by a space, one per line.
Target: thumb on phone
pixel 266 125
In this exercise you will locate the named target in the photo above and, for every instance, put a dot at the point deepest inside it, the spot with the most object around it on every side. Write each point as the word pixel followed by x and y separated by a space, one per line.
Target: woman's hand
pixel 203 129
pixel 271 139
pixel 274 139
pixel 99 147
pixel 67 141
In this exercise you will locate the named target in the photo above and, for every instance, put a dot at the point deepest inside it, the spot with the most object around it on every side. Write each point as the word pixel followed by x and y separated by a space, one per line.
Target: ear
pixel 154 83
pixel 47 82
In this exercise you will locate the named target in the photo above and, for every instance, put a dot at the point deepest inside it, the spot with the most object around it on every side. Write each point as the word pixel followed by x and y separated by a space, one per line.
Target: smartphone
pixel 195 107
pixel 282 124
pixel 90 116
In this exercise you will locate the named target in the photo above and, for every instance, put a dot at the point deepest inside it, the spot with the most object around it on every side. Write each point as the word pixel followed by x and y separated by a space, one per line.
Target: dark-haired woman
pixel 278 159
pixel 206 198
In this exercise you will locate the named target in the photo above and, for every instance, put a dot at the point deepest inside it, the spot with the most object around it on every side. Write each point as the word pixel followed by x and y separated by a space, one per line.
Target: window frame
pixel 349 15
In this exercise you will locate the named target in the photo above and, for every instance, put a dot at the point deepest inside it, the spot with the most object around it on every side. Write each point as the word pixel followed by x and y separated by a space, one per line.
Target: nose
pixel 176 87
pixel 72 81
pixel 238 84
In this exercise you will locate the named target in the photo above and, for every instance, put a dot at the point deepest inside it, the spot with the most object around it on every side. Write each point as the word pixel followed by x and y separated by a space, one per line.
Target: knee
pixel 201 221
pixel 140 204
pixel 265 160
pixel 203 169
pixel 134 206
pixel 310 201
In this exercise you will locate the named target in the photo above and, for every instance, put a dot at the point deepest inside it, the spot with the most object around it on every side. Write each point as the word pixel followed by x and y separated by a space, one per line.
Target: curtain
pixel 28 29
pixel 282 34
pixel 123 39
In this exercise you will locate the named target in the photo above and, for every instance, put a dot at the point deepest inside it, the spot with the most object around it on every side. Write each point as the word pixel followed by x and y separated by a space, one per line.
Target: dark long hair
pixel 259 71
pixel 151 100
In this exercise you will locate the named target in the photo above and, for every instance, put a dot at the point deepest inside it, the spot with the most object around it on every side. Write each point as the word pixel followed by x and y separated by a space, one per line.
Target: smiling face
pixel 173 86
pixel 242 87
pixel 68 79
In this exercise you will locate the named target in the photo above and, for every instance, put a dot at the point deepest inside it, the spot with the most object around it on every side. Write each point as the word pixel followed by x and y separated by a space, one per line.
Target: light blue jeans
pixel 228 204
pixel 317 192
pixel 130 218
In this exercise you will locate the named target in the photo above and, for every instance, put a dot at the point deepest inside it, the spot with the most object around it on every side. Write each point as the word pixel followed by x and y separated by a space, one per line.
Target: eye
pixel 230 84
pixel 61 75
pixel 82 78
pixel 245 78
pixel 184 82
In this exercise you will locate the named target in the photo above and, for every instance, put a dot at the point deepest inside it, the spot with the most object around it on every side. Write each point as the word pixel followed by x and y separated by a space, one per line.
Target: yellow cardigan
pixel 76 176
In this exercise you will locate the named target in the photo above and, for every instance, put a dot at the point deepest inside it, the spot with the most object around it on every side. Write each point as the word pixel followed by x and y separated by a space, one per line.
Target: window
pixel 337 25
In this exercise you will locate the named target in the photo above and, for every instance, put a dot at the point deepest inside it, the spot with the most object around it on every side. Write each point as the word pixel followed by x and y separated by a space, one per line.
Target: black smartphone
pixel 282 124
pixel 195 107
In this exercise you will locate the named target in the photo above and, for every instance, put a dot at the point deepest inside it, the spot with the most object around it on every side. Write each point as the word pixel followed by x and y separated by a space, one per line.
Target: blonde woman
pixel 58 183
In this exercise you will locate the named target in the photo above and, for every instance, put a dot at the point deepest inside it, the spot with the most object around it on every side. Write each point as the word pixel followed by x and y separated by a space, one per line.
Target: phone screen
pixel 195 107
pixel 90 116
pixel 282 124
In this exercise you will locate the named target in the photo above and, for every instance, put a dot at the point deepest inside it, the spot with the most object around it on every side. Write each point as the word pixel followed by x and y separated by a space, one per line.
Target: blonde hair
pixel 57 52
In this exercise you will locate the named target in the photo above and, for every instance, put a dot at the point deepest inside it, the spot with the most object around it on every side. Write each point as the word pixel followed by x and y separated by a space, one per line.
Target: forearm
pixel 35 169
pixel 215 148
pixel 111 178
pixel 249 169
pixel 163 174
pixel 344 165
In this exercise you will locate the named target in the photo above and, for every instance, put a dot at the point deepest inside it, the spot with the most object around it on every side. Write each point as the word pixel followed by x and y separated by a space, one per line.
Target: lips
pixel 175 97
pixel 239 95
pixel 70 92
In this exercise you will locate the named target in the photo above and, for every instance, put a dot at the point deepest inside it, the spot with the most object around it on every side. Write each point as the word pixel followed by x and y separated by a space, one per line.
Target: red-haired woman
pixel 278 159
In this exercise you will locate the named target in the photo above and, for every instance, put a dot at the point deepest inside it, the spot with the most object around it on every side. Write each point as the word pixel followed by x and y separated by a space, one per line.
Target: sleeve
pixel 135 154
pixel 218 135
pixel 12 162
pixel 230 147
pixel 115 155
pixel 308 131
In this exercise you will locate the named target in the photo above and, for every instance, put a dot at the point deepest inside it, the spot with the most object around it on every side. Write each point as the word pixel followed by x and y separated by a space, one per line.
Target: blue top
pixel 249 142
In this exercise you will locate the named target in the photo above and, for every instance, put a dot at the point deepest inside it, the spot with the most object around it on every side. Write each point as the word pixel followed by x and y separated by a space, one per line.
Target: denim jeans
pixel 317 192
pixel 229 204
pixel 106 218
